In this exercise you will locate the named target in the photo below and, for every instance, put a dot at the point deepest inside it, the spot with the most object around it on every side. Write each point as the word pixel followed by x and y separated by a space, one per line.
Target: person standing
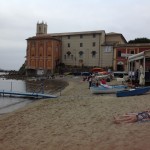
pixel 142 78
pixel 90 81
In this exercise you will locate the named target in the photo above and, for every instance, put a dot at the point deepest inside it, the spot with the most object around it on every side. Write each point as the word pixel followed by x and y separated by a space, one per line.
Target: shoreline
pixel 75 120
pixel 10 104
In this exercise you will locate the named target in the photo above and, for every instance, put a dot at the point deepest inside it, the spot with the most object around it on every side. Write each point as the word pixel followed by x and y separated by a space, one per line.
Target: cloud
pixel 18 20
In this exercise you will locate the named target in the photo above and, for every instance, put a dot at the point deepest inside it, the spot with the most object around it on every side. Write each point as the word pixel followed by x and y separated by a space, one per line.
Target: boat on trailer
pixel 133 92
pixel 102 89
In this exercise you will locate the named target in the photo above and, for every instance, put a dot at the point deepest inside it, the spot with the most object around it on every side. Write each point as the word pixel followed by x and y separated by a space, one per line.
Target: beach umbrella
pixel 97 70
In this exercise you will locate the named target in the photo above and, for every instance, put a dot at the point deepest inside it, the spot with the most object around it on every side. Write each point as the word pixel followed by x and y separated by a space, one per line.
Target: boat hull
pixel 133 92
pixel 107 89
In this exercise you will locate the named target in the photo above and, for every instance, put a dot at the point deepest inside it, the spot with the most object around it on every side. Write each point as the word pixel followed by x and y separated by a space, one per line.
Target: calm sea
pixel 9 104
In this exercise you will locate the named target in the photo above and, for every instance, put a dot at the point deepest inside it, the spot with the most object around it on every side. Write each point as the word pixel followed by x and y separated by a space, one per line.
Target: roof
pixel 76 33
pixel 132 45
pixel 40 37
pixel 113 33
pixel 117 34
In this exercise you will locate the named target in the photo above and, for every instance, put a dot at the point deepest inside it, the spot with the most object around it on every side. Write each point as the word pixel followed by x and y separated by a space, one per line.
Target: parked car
pixel 85 73
pixel 119 74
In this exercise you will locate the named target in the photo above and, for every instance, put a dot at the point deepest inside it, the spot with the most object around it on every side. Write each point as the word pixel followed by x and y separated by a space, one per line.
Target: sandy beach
pixel 76 120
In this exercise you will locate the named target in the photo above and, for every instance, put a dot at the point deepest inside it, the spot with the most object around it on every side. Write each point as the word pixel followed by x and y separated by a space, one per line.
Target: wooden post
pixel 11 89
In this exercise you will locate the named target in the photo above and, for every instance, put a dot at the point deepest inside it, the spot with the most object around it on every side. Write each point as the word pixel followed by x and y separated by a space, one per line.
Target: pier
pixel 26 95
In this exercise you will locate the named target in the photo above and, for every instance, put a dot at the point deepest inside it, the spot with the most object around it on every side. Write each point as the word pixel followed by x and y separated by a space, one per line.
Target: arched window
pixel 45 30
pixel 40 30
pixel 81 54
pixel 68 54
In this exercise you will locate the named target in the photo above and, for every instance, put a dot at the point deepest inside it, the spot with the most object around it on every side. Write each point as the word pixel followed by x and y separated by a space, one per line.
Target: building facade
pixel 107 53
pixel 43 52
pixel 122 51
pixel 81 48
pixel 88 48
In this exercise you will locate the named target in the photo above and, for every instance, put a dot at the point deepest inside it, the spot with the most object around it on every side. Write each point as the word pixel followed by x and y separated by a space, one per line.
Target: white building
pixel 89 48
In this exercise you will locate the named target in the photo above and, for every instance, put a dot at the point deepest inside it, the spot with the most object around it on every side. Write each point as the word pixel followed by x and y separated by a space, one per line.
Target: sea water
pixel 9 104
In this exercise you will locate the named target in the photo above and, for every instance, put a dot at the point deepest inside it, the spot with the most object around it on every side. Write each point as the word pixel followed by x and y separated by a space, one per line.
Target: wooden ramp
pixel 23 94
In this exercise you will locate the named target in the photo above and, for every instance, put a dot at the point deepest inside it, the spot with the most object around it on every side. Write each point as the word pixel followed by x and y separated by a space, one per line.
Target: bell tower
pixel 41 28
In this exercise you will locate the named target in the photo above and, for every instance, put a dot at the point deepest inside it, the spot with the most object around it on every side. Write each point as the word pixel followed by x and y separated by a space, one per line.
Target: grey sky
pixel 18 20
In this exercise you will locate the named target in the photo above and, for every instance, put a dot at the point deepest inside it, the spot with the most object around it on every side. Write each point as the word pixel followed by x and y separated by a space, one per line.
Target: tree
pixel 139 40
pixel 22 69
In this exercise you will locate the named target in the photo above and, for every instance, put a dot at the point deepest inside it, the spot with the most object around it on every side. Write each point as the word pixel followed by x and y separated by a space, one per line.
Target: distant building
pixel 88 48
pixel 43 52
pixel 122 51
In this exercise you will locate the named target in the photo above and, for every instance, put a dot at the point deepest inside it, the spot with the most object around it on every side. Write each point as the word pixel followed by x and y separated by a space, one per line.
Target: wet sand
pixel 76 120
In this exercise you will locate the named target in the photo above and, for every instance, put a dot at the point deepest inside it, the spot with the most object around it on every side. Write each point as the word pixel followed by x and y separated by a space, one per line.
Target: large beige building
pixel 88 48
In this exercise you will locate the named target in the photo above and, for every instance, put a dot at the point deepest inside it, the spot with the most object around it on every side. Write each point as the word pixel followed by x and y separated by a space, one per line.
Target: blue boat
pixel 102 89
pixel 133 92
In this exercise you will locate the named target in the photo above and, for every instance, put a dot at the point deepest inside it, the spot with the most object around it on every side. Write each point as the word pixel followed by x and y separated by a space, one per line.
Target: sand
pixel 76 120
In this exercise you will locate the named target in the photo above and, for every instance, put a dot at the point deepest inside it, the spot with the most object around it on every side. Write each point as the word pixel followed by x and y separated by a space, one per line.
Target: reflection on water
pixel 14 85
pixel 9 104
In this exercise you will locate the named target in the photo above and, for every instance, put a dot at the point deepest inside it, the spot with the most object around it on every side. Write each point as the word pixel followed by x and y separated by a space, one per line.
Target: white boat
pixel 107 89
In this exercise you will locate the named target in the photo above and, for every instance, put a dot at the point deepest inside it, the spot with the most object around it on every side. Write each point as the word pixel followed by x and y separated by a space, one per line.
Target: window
pixel 81 54
pixel 68 36
pixel 39 29
pixel 68 54
pixel 132 52
pixel 81 36
pixel 107 49
pixel 81 44
pixel 45 30
pixel 93 54
pixel 94 44
pixel 119 54
pixel 94 35
pixel 68 44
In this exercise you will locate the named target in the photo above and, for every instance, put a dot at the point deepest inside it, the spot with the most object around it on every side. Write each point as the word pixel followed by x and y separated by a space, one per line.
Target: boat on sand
pixel 133 92
pixel 103 88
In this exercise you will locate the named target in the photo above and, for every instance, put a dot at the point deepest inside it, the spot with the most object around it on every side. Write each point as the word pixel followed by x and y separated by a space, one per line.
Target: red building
pixel 43 54
pixel 122 51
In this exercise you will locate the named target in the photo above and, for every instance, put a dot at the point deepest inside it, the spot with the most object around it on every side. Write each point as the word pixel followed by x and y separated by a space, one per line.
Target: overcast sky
pixel 18 19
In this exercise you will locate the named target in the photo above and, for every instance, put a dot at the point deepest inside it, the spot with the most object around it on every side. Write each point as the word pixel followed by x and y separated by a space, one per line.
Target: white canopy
pixel 139 56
